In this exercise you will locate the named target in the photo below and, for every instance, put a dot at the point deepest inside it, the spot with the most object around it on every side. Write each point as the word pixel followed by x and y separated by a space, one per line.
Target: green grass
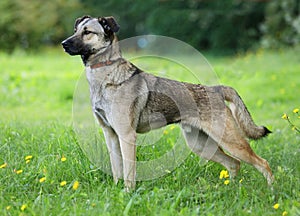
pixel 36 92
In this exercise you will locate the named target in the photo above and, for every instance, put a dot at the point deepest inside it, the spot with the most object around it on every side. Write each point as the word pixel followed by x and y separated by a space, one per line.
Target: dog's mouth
pixel 70 52
pixel 73 48
pixel 68 48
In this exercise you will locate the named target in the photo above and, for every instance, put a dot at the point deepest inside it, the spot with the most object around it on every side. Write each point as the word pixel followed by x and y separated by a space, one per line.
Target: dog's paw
pixel 129 186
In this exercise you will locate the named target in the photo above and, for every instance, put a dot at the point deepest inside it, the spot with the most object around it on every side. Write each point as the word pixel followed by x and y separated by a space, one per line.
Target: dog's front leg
pixel 113 145
pixel 128 149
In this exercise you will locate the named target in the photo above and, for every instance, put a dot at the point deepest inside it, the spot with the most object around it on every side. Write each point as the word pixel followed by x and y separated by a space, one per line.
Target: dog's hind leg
pixel 233 141
pixel 204 146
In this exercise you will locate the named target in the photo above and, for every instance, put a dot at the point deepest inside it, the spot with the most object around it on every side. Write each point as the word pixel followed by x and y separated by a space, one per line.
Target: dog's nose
pixel 64 43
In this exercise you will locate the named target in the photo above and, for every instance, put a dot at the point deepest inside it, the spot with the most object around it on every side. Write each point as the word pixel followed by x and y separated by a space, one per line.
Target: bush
pixel 30 23
pixel 282 24
pixel 219 25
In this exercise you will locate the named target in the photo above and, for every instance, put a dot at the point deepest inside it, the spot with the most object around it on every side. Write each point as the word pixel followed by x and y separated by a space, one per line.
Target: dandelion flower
pixel 75 185
pixel 63 183
pixel 8 207
pixel 296 110
pixel 224 174
pixel 23 207
pixel 273 77
pixel 3 165
pixel 19 171
pixel 172 127
pixel 63 159
pixel 241 181
pixel 276 206
pixel 284 213
pixel 42 180
pixel 226 182
pixel 29 157
pixel 27 161
pixel 285 116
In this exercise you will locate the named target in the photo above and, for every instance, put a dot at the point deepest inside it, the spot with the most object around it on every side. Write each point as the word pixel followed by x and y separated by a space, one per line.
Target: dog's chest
pixel 100 97
pixel 101 104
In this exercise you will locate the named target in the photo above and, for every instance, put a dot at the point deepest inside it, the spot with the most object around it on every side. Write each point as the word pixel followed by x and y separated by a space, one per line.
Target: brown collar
pixel 102 64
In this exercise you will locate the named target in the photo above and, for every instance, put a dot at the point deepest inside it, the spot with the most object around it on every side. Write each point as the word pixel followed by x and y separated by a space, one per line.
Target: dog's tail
pixel 242 115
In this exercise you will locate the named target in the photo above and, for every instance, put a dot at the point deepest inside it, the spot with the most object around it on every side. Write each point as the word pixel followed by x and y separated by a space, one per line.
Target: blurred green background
pixel 37 82
pixel 227 26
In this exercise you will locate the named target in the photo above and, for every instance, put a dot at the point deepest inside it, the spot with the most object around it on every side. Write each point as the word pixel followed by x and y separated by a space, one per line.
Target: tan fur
pixel 127 101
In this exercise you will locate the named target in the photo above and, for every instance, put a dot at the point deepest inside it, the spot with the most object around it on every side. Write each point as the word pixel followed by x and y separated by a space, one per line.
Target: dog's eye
pixel 86 32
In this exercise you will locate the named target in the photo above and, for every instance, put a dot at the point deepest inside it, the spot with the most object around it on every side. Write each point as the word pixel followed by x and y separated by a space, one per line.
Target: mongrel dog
pixel 127 101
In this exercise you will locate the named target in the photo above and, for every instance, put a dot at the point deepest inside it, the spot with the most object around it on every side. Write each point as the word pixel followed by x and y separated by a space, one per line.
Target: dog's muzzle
pixel 69 47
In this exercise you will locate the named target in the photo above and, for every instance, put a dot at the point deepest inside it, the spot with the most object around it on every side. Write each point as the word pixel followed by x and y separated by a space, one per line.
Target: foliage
pixel 44 172
pixel 209 24
pixel 30 23
pixel 219 25
pixel 204 24
pixel 282 23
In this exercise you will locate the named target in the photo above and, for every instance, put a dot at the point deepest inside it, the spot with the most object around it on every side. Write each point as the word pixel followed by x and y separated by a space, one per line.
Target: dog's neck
pixel 108 57
pixel 103 64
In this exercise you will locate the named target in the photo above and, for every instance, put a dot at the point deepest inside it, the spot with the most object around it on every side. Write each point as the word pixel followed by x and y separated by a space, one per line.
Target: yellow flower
pixel 75 185
pixel 27 161
pixel 166 132
pixel 241 181
pixel 224 174
pixel 29 157
pixel 63 183
pixel 273 77
pixel 23 207
pixel 296 110
pixel 226 182
pixel 3 165
pixel 284 213
pixel 8 207
pixel 42 180
pixel 63 159
pixel 18 171
pixel 284 116
pixel 276 206
pixel 172 127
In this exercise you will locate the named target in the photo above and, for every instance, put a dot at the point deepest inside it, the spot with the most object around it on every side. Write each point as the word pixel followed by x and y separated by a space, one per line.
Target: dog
pixel 126 101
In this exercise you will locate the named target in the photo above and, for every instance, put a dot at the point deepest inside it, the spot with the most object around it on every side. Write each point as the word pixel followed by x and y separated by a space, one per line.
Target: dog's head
pixel 91 36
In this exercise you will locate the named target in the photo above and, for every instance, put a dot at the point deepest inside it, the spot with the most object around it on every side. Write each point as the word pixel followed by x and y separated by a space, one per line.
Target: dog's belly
pixel 154 121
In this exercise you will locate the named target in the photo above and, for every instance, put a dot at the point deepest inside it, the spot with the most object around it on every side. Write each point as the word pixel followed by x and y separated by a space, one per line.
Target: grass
pixel 36 96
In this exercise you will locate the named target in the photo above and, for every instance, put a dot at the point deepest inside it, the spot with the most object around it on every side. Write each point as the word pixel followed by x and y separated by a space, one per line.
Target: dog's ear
pixel 79 20
pixel 109 24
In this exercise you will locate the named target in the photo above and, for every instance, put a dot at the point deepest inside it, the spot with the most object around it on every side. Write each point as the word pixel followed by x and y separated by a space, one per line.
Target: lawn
pixel 45 172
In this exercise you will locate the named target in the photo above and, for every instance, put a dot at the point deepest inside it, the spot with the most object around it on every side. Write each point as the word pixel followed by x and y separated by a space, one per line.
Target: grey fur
pixel 127 101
